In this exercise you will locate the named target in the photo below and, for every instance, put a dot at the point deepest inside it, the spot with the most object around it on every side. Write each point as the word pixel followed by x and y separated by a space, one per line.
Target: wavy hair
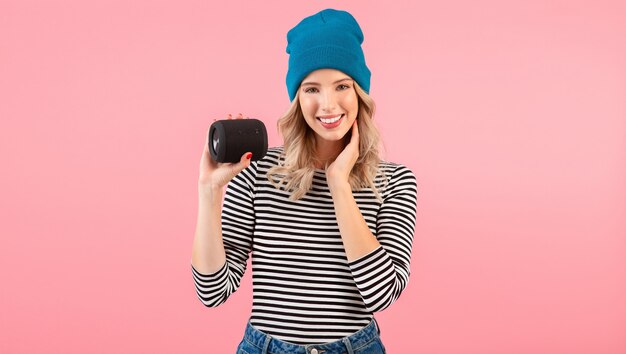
pixel 296 172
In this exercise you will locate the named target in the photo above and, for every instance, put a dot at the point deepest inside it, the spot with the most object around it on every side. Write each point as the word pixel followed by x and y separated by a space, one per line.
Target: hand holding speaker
pixel 230 146
pixel 230 138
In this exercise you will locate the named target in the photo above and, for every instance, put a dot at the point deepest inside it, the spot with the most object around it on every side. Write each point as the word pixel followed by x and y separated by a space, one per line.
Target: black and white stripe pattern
pixel 304 289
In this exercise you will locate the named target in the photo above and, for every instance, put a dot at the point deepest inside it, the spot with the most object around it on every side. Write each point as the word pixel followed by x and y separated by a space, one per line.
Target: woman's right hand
pixel 215 175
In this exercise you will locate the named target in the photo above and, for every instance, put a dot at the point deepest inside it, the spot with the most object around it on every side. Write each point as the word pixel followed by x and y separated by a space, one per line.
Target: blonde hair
pixel 297 170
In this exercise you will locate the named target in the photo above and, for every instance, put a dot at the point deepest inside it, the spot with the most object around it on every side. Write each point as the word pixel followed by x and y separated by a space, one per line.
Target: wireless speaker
pixel 229 139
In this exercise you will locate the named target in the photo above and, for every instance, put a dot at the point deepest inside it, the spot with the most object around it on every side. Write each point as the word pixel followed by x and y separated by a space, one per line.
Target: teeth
pixel 330 120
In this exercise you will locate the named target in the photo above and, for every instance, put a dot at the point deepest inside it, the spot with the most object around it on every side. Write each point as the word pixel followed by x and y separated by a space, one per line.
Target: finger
pixel 240 116
pixel 243 163
pixel 354 139
pixel 355 133
pixel 246 158
pixel 230 116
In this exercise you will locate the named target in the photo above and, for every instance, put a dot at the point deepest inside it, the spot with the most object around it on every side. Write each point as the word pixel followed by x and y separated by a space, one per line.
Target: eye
pixel 313 88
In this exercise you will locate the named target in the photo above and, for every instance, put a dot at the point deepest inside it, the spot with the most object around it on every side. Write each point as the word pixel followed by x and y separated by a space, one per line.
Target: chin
pixel 333 136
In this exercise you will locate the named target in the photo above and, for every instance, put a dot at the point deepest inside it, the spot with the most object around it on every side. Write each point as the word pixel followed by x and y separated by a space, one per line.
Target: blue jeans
pixel 365 341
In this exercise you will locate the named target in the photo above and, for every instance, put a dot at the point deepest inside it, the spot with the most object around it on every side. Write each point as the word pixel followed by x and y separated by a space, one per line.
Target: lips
pixel 331 121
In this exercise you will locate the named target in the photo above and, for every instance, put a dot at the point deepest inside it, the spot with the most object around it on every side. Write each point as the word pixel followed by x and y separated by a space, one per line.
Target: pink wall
pixel 513 118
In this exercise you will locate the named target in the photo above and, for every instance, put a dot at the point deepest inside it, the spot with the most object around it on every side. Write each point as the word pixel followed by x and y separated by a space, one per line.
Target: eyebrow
pixel 317 84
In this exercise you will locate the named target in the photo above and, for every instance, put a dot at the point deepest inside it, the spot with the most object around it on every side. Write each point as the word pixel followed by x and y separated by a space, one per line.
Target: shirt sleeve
pixel 382 274
pixel 237 231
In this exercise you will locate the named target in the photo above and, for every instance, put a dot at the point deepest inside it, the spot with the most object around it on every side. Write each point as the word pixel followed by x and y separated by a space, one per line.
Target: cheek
pixel 307 99
pixel 308 105
pixel 350 98
pixel 352 103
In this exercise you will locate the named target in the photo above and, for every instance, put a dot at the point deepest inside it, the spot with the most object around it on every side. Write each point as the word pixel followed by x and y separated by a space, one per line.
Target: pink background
pixel 512 116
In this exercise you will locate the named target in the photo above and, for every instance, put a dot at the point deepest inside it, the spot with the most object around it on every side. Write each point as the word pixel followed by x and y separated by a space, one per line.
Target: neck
pixel 326 152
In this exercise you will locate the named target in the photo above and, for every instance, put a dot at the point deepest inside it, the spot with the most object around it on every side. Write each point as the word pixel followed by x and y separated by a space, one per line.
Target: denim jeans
pixel 365 341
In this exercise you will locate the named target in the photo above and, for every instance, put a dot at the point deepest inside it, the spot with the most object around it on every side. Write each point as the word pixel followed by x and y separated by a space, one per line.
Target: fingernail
pixel 249 156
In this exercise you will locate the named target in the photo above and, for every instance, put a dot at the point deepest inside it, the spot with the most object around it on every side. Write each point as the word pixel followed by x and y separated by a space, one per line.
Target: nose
pixel 329 101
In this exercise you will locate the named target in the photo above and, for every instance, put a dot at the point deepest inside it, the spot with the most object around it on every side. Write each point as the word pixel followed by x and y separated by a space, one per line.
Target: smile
pixel 330 120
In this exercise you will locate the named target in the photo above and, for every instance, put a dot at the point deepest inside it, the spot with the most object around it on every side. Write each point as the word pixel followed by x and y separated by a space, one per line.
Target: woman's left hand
pixel 339 171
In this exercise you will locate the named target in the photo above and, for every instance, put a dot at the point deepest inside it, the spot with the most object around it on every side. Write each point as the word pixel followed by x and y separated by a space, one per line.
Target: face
pixel 329 104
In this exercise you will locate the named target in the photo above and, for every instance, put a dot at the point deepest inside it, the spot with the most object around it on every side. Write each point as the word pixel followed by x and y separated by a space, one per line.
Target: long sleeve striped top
pixel 304 289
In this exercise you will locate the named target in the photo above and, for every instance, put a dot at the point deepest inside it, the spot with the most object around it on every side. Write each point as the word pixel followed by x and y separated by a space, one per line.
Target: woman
pixel 329 224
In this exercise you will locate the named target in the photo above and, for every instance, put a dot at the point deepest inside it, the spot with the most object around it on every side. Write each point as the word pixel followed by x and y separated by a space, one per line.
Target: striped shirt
pixel 305 291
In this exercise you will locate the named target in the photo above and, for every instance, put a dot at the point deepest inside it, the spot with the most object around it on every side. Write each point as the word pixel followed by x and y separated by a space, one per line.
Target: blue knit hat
pixel 329 39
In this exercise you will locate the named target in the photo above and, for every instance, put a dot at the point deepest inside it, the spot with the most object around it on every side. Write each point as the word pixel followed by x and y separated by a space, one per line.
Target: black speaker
pixel 231 138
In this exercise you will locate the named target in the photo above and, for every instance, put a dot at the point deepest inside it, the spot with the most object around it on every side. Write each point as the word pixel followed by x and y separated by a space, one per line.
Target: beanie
pixel 329 39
